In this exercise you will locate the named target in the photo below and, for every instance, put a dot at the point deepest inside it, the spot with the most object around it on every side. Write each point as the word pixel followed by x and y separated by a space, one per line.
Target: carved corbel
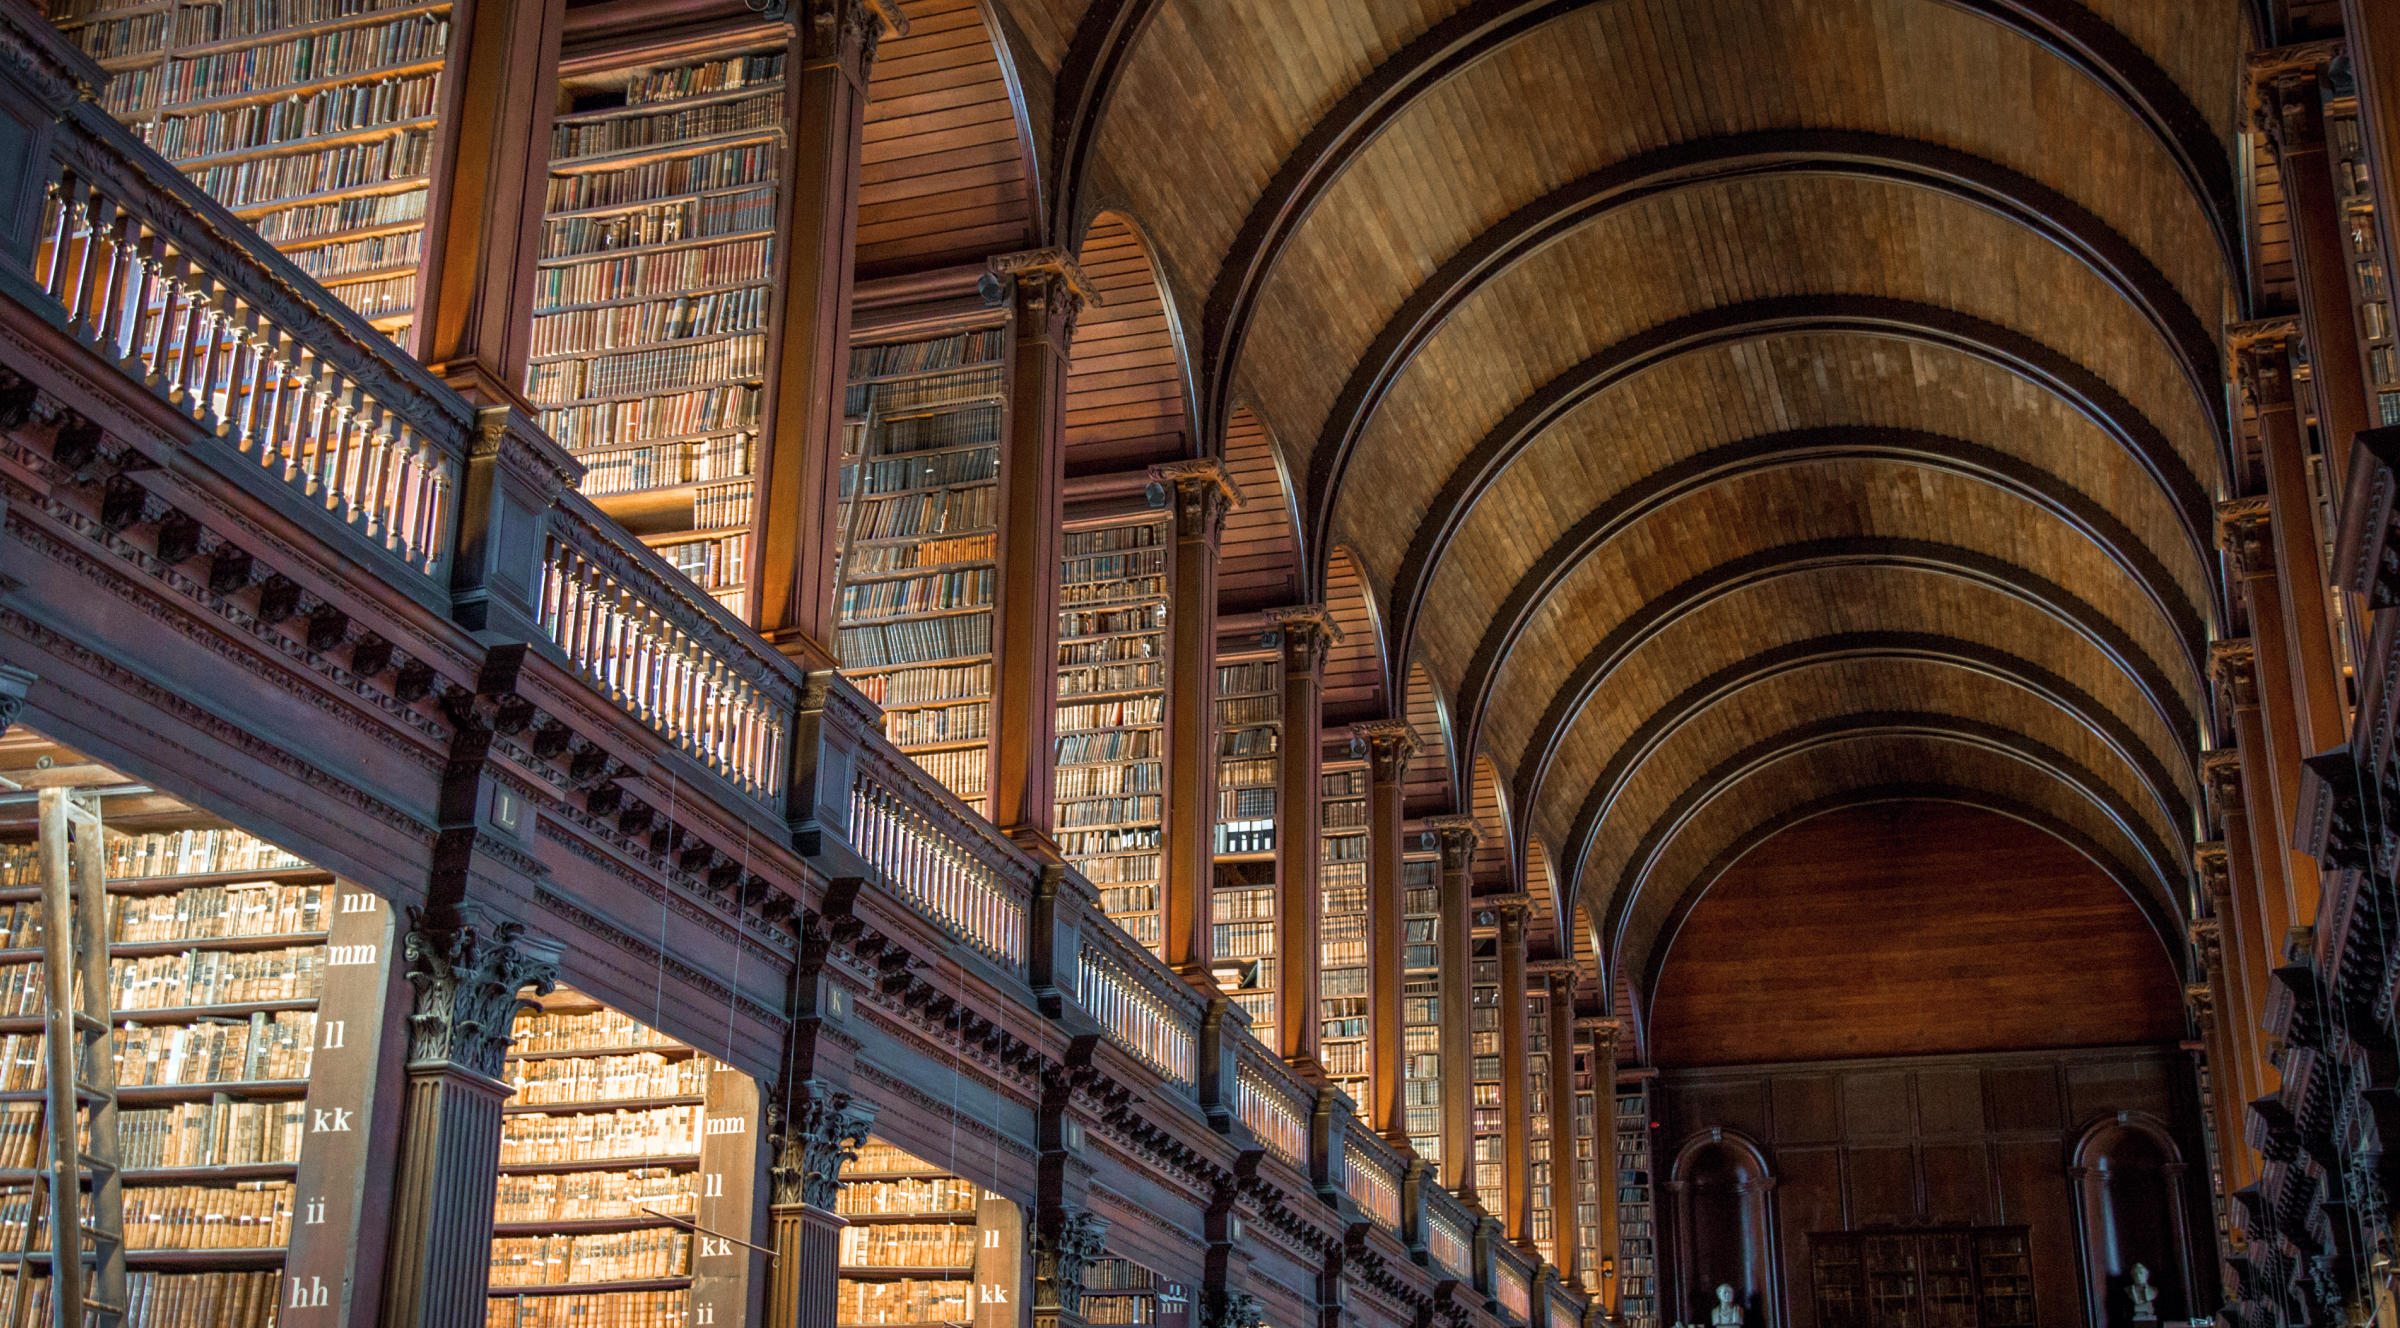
pixel 1048 288
pixel 1065 1241
pixel 2287 103
pixel 843 33
pixel 2246 533
pixel 1386 745
pixel 823 1130
pixel 2332 824
pixel 1201 490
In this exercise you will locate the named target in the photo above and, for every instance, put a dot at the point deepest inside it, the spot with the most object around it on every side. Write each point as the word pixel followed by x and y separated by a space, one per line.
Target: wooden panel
pixel 2023 1097
pixel 2096 1089
pixel 1950 1101
pixel 1739 1104
pixel 1958 1183
pixel 1353 669
pixel 1883 1185
pixel 2034 1193
pixel 1808 1197
pixel 1258 562
pixel 1426 790
pixel 1849 935
pixel 942 176
pixel 1877 1103
pixel 1805 1110
pixel 1125 389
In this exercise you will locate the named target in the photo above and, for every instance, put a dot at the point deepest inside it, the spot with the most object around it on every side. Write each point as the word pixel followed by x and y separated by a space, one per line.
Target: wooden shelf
pixel 588 1108
pixel 564 356
pixel 620 301
pixel 591 1288
pixel 145 1095
pixel 226 1173
pixel 898 1274
pixel 848 1176
pixel 667 1162
pixel 220 1261
pixel 164 885
pixel 282 91
pixel 270 36
pixel 659 107
pixel 590 1226
pixel 658 247
pixel 150 949
pixel 673 1049
pixel 177 1014
pixel 336 138
pixel 909 1219
pixel 636 205
pixel 254 211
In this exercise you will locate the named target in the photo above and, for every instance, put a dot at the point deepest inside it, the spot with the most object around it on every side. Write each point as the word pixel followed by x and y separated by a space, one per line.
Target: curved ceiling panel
pixel 1725 244
pixel 1794 772
pixel 1801 505
pixel 1570 486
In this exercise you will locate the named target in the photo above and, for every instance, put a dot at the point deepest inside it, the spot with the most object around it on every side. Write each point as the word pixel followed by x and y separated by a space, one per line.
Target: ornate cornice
pixel 468 979
pixel 1603 1031
pixel 2261 354
pixel 824 1131
pixel 56 68
pixel 1385 744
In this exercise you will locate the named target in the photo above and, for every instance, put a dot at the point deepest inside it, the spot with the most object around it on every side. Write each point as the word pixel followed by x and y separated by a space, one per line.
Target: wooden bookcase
pixel 1343 995
pixel 1484 1047
pixel 924 1246
pixel 1244 902
pixel 1117 1290
pixel 625 1159
pixel 1590 1159
pixel 1424 1072
pixel 1112 713
pixel 918 570
pixel 1637 1240
pixel 1941 1277
pixel 314 120
pixel 654 291
pixel 1541 1133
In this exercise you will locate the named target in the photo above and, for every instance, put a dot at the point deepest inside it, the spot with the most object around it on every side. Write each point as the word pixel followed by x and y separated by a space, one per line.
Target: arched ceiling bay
pixel 1737 409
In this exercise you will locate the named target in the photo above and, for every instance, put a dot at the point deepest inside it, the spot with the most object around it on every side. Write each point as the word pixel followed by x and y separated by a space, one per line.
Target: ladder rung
pixel 89 1024
pixel 91 1163
pixel 95 1092
pixel 103 1306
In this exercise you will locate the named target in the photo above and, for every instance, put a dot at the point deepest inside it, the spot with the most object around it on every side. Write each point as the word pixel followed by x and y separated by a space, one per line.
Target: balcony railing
pixel 1271 1103
pixel 1132 1006
pixel 1512 1285
pixel 1371 1177
pixel 1449 1234
pixel 897 826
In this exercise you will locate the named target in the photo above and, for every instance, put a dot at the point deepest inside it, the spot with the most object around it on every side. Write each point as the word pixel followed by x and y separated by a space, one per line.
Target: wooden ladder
pixel 82 1180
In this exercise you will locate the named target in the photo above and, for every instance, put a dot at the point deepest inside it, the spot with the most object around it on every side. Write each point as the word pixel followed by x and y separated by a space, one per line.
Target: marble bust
pixel 1726 1314
pixel 2145 1296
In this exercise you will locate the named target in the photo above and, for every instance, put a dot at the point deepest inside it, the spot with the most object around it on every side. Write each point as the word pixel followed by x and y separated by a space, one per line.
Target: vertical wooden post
pixel 2320 719
pixel 808 338
pixel 484 204
pixel 1560 974
pixel 1045 292
pixel 2231 1052
pixel 1459 837
pixel 2265 721
pixel 1515 1112
pixel 1600 1037
pixel 1386 745
pixel 468 974
pixel 1200 493
pixel 2256 951
pixel 2290 110
pixel 822 1130
pixel 1306 631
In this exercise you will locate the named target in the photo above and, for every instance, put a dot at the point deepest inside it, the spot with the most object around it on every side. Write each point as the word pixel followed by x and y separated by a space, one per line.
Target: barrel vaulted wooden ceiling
pixel 1720 412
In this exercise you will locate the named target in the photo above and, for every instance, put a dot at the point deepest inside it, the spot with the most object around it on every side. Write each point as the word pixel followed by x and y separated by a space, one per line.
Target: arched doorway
pixel 2129 1210
pixel 1723 1195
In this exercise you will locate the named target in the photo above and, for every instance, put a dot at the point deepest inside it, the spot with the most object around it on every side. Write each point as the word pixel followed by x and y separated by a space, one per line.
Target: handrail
pixel 658 646
pixel 141 265
pixel 1371 1176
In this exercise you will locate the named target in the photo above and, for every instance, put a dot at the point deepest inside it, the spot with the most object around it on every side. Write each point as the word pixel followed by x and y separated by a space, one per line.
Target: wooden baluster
pixel 241 370
pixel 335 446
pixel 82 274
pixel 367 499
pixel 183 382
pixel 437 505
pixel 116 284
pixel 274 381
pixel 209 353
pixel 54 238
pixel 400 518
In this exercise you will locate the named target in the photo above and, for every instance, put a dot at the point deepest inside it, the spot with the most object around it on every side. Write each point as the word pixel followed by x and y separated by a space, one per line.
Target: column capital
pixel 809 1145
pixel 1509 910
pixel 1304 631
pixel 2262 352
pixel 1554 968
pixel 2221 782
pixel 2216 881
pixel 2245 531
pixel 1386 744
pixel 2208 938
pixel 2233 666
pixel 1460 836
pixel 1048 289
pixel 1066 1239
pixel 1202 492
pixel 1604 1031
pixel 468 978
pixel 2202 999
pixel 2287 108
pixel 842 32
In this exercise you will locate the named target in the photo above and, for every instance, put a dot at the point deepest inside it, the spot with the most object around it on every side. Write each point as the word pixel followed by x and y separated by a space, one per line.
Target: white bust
pixel 2145 1296
pixel 1726 1314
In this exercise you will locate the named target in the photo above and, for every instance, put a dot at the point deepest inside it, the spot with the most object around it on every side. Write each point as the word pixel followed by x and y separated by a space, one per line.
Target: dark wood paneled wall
pixel 1917 1141
pixel 1911 928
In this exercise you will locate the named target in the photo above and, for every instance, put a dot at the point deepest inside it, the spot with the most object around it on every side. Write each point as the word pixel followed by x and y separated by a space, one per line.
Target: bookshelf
pixel 1424 1073
pixel 653 293
pixel 1540 1138
pixel 1940 1277
pixel 1484 1047
pixel 1342 881
pixel 312 119
pixel 919 1241
pixel 1112 702
pixel 918 569
pixel 624 1156
pixel 1249 740
pixel 1637 1286
pixel 2371 301
pixel 1116 1290
pixel 1586 1177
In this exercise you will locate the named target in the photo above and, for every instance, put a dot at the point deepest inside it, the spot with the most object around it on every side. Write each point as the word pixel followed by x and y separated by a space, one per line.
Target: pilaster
pixel 1599 1039
pixel 1516 1125
pixel 1459 837
pixel 1303 634
pixel 1199 494
pixel 2258 670
pixel 1385 745
pixel 1560 974
pixel 2287 87
pixel 809 1139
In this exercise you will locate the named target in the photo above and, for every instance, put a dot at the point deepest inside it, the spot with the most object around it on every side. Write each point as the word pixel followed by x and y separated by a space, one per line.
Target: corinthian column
pixel 822 1131
pixel 469 975
pixel 1386 745
pixel 1200 493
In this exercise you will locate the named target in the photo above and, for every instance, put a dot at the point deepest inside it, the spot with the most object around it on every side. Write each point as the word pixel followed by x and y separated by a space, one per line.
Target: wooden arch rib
pixel 1800 447
pixel 1907 320
pixel 2061 693
pixel 1087 77
pixel 2162 923
pixel 2090 46
pixel 2060 604
pixel 2026 203
pixel 2157 892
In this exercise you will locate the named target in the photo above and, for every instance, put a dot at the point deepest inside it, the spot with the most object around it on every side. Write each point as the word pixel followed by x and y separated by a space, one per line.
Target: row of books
pixel 1236 711
pixel 380 299
pixel 211 1134
pixel 964 682
pixel 1119 1309
pixel 1106 622
pixel 534 1138
pixel 264 1046
pixel 1079 595
pixel 914 357
pixel 712 564
pixel 1344 848
pixel 161 853
pixel 1112 650
pixel 206 912
pixel 657 465
pixel 1245 804
pixel 344 108
pixel 548 1030
pixel 906 394
pixel 879 644
pixel 1151 562
pixel 612 1309
pixel 371 253
pixel 1250 772
pixel 1110 781
pixel 709 410
pixel 1258 677
pixel 1096 843
pixel 1109 811
pixel 622 1256
pixel 315 57
pixel 608 1078
pixel 877 1156
pixel 1249 742
pixel 1116 899
pixel 1244 904
pixel 130 92
pixel 646 372
pixel 724 505
pixel 880 560
pixel 623 133
pixel 183 1300
pixel 949 1245
pixel 580 1196
pixel 1111 539
pixel 652 274
pixel 884 1197
pixel 1346 815
pixel 904 1301
pixel 724 168
pixel 1144 928
pixel 976 465
pixel 231 20
pixel 734 213
pixel 1243 940
pixel 1112 714
pixel 967 773
pixel 912 514
pixel 970 589
pixel 300 224
pixel 402 156
pixel 681 318
pixel 116 38
pixel 1113 745
pixel 926 728
pixel 970 424
pixel 1106 678
pixel 215 977
pixel 251 1216
pixel 739 71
